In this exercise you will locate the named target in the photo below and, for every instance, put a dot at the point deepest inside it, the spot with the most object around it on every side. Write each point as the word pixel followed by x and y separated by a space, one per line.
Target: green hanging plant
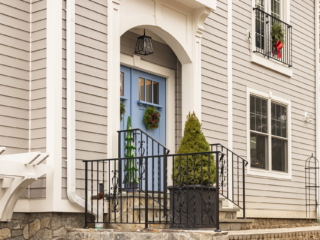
pixel 151 118
pixel 194 169
pixel 277 39
pixel 122 110
pixel 131 176
pixel 277 33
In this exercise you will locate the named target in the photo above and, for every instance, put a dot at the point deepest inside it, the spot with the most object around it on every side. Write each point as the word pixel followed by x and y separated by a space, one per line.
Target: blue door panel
pixel 136 109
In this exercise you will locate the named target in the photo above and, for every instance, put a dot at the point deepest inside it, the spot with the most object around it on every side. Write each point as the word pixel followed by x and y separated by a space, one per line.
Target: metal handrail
pixel 138 129
pixel 224 186
pixel 104 176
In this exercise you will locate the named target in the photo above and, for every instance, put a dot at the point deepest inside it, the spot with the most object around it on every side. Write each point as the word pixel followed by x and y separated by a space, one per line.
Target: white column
pixel 230 96
pixel 317 97
pixel 113 76
pixel 54 101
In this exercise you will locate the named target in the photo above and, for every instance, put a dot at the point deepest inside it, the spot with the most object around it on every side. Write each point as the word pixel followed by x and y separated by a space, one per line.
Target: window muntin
pixel 141 89
pixel 148 91
pixel 262 138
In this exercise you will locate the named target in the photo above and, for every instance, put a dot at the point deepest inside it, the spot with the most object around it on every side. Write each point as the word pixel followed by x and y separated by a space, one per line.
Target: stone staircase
pixel 134 211
pixel 229 220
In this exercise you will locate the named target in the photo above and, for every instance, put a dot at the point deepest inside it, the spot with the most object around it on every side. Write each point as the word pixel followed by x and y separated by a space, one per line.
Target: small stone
pixel 45 222
pixel 34 227
pixel 26 232
pixel 61 232
pixel 15 233
pixel 56 223
pixel 5 233
pixel 44 234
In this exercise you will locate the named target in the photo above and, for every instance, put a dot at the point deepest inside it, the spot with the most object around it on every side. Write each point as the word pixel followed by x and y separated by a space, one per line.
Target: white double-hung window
pixel 269 135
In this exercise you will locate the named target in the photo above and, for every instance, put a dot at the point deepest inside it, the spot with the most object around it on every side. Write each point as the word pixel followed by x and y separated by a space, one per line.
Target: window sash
pixel 258 155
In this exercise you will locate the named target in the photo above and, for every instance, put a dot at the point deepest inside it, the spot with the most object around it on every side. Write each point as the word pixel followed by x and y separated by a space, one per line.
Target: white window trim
pixel 261 172
pixel 269 63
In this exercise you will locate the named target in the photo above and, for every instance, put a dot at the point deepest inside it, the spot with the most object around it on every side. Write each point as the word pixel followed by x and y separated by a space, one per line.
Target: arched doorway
pixel 180 27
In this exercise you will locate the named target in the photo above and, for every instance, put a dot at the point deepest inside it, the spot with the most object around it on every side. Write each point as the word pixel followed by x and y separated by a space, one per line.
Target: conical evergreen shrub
pixel 194 169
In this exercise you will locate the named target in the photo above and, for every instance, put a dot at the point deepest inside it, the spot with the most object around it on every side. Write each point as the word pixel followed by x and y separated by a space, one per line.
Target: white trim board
pixel 262 172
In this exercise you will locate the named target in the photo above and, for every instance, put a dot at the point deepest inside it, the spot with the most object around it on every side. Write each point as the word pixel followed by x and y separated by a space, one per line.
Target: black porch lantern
pixel 144 45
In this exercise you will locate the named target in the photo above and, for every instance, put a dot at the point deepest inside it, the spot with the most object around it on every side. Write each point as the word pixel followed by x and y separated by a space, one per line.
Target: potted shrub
pixel 193 194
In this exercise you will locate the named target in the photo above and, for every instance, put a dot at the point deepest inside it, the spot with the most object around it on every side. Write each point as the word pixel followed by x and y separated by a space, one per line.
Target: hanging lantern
pixel 144 45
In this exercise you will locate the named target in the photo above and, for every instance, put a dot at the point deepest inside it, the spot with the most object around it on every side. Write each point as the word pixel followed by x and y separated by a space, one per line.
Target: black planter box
pixel 193 206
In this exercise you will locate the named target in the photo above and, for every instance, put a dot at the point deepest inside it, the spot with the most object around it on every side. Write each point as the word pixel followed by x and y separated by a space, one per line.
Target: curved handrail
pixel 138 129
pixel 219 144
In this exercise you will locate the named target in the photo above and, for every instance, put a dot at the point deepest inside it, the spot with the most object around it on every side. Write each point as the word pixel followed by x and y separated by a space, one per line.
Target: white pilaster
pixel 54 101
pixel 113 76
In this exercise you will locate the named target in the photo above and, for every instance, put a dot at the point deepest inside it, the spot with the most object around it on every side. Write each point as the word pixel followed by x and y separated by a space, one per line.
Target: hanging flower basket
pixel 151 118
pixel 277 35
pixel 122 110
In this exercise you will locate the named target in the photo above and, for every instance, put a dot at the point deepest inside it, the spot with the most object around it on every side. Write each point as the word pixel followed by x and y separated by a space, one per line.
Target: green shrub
pixel 194 169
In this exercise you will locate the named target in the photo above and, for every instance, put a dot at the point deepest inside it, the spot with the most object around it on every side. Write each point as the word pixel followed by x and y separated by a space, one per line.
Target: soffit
pixel 195 4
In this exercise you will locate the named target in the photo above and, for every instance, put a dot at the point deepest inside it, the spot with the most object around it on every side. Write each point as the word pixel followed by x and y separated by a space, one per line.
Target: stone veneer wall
pixel 40 226
pixel 268 223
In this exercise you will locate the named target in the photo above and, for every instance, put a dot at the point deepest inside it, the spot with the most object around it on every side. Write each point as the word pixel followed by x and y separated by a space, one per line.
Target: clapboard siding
pixel 214 76
pixel 268 193
pixel 38 89
pixel 14 75
pixel 91 86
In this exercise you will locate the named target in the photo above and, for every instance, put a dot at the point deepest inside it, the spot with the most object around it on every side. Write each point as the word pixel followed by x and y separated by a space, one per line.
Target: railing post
pixel 165 191
pixel 86 195
pixel 217 193
pixel 244 189
pixel 146 194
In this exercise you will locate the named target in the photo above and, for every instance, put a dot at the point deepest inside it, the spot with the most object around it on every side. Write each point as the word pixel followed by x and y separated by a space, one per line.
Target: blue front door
pixel 140 90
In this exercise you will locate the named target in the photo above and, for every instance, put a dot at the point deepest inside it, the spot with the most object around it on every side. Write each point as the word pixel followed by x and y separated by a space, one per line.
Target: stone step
pixel 235 224
pixel 228 213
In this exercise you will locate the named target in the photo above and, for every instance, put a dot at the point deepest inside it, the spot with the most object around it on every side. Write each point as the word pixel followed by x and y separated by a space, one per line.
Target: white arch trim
pixel 179 25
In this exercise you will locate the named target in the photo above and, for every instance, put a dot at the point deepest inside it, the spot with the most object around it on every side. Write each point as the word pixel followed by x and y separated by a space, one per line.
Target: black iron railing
pixel 267 26
pixel 187 181
pixel 232 178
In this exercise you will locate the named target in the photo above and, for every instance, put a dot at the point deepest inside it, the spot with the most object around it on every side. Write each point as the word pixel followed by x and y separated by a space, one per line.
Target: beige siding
pixel 14 75
pixel 214 76
pixel 38 88
pixel 91 86
pixel 277 194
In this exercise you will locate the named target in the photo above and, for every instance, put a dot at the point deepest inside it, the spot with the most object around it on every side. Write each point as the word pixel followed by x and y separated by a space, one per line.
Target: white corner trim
pixel 230 94
pixel 317 75
pixel 54 102
pixel 271 64
pixel 261 172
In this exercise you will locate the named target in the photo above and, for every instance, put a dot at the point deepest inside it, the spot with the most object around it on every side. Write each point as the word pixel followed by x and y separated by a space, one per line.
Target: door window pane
pixel 141 89
pixel 149 91
pixel 121 84
pixel 155 92
pixel 279 155
pixel 259 149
